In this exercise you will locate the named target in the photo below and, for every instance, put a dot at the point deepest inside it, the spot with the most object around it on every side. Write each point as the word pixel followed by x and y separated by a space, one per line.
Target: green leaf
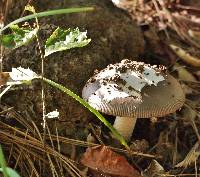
pixel 10 172
pixel 65 39
pixel 7 40
pixel 3 163
pixel 18 37
pixel 21 76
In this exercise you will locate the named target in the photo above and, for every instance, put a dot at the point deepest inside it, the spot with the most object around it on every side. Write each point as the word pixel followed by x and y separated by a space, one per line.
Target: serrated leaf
pixel 17 76
pixel 10 172
pixel 20 75
pixel 65 39
pixel 18 37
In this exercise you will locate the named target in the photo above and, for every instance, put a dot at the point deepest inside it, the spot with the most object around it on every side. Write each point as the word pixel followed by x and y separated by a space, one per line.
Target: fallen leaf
pixel 4 77
pixel 108 163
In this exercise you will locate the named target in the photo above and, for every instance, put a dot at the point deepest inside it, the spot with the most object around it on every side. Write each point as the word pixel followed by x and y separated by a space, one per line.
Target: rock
pixel 114 37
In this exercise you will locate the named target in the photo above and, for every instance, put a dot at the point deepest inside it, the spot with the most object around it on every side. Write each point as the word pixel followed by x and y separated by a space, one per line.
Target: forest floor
pixel 168 146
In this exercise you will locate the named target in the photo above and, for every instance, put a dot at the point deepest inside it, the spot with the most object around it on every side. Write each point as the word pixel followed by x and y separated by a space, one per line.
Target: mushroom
pixel 131 90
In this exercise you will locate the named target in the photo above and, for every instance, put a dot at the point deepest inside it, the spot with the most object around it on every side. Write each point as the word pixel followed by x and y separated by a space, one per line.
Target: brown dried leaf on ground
pixel 4 77
pixel 104 161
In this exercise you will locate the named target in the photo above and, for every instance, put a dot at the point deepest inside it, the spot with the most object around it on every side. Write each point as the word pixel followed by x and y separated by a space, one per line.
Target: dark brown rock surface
pixel 114 37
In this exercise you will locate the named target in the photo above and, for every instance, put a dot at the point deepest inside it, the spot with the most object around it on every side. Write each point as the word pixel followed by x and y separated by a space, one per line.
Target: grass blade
pixel 3 162
pixel 48 13
pixel 94 111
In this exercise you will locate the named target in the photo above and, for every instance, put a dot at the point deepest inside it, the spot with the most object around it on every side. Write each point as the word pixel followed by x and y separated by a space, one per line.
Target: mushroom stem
pixel 125 126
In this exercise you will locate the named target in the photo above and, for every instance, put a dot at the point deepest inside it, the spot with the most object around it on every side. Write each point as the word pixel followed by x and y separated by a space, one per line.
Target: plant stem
pixel 47 13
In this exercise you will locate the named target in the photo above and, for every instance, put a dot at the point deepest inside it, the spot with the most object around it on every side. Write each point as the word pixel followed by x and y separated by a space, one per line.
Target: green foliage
pixel 65 39
pixel 18 37
pixel 3 163
pixel 10 172
pixel 7 172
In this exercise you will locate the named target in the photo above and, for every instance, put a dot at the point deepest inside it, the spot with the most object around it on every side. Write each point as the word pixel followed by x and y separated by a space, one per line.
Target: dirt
pixel 114 37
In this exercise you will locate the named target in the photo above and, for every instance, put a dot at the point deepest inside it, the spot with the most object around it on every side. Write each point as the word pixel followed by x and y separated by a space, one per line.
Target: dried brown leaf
pixel 4 77
pixel 103 160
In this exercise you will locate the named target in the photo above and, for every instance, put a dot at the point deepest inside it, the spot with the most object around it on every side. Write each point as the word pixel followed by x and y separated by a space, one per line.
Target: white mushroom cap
pixel 134 89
